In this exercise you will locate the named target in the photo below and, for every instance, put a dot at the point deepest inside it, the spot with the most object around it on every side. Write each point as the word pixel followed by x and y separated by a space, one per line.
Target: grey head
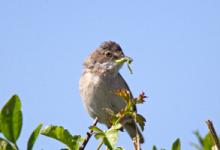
pixel 103 58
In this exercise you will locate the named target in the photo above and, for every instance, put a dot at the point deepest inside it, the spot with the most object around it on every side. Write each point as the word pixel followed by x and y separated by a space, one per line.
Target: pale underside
pixel 98 93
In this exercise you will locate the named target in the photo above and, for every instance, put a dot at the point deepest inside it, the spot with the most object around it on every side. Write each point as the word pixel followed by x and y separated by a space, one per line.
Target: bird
pixel 100 77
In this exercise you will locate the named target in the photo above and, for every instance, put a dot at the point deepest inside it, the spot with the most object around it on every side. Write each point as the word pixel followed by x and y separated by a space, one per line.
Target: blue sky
pixel 175 46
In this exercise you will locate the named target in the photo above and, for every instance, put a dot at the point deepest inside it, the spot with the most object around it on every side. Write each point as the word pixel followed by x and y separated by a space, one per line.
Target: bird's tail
pixel 133 130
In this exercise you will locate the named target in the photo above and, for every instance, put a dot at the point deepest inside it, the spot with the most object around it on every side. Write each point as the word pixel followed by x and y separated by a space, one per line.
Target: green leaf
pixel 176 145
pixel 5 145
pixel 11 119
pixel 33 137
pixel 199 137
pixel 112 137
pixel 207 142
pixel 62 135
pixel 117 126
pixel 154 148
pixel 107 143
pixel 96 129
pixel 99 135
pixel 108 137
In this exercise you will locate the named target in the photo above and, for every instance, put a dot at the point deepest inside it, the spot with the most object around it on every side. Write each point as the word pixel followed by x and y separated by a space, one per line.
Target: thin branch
pixel 88 136
pixel 137 138
pixel 213 133
pixel 100 145
pixel 136 142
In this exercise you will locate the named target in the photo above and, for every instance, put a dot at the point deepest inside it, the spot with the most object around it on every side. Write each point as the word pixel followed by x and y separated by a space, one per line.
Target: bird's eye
pixel 108 54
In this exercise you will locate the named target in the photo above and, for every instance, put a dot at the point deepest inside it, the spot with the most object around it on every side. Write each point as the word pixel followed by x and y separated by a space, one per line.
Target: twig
pixel 100 145
pixel 137 138
pixel 213 133
pixel 88 135
pixel 136 142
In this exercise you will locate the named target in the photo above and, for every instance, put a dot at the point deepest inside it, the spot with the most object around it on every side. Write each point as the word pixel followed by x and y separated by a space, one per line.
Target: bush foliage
pixel 11 125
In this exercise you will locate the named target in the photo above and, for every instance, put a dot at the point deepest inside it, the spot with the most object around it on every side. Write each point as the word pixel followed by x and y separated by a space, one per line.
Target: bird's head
pixel 105 58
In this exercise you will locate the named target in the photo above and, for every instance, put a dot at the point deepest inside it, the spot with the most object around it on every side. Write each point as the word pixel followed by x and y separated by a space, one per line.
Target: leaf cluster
pixel 108 137
pixel 204 143
pixel 63 135
pixel 11 125
pixel 130 110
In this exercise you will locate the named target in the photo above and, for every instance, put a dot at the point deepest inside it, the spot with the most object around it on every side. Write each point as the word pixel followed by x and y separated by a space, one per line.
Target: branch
pixel 213 133
pixel 136 139
pixel 100 145
pixel 89 134
pixel 136 142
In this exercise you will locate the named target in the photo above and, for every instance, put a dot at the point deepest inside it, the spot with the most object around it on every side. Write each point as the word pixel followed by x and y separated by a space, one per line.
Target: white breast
pixel 93 95
pixel 97 95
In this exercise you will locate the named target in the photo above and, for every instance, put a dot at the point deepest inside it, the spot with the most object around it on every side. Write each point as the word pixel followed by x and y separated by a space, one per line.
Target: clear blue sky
pixel 175 46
